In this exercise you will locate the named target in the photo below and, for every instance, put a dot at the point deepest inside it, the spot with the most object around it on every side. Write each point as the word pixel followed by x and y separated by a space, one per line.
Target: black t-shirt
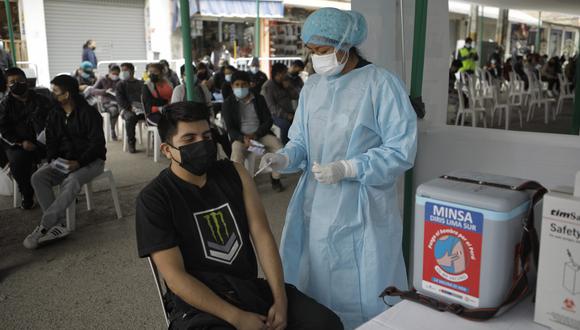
pixel 208 224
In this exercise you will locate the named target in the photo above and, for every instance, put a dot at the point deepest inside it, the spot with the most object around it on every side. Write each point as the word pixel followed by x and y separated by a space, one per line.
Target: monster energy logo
pixel 215 222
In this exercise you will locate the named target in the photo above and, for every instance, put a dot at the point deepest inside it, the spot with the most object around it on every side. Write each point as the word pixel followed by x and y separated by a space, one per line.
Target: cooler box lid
pixel 476 195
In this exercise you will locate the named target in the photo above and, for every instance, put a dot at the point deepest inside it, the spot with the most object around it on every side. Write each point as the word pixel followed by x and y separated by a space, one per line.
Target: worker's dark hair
pixel 157 66
pixel 14 71
pixel 298 63
pixel 202 65
pixel 129 66
pixel 468 40
pixel 70 85
pixel 186 111
pixel 182 69
pixel 164 63
pixel 241 75
pixel 278 68
pixel 87 43
pixel 114 67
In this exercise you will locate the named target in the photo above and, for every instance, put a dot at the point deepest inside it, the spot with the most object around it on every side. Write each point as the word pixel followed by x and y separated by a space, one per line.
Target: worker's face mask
pixel 197 157
pixel 125 75
pixel 228 77
pixel 327 65
pixel 241 93
pixel 114 77
pixel 254 70
pixel 154 78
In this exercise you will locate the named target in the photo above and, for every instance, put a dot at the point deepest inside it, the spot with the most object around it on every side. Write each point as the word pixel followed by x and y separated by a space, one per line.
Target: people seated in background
pixel 23 115
pixel 157 93
pixel 85 76
pixel 202 223
pixel 248 119
pixel 76 153
pixel 221 81
pixel 201 93
pixel 258 78
pixel 294 71
pixel 169 74
pixel 128 95
pixel 279 93
pixel 203 73
pixel 550 72
pixel 495 63
pixel 145 75
pixel 105 88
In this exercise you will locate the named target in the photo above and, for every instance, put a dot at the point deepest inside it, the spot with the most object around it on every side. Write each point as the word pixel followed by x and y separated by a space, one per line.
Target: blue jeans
pixel 284 125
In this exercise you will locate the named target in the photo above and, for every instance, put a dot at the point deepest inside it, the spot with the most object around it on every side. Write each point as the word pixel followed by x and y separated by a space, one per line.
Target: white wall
pixel 36 44
pixel 160 25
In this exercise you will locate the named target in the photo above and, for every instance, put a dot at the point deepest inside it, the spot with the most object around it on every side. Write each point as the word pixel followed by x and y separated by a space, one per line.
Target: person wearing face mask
pixel 85 76
pixel 201 93
pixel 76 143
pixel 247 118
pixel 294 75
pixel 203 225
pixel 353 136
pixel 468 57
pixel 258 78
pixel 157 93
pixel 279 94
pixel 23 115
pixel 105 88
pixel 221 81
pixel 169 74
pixel 128 95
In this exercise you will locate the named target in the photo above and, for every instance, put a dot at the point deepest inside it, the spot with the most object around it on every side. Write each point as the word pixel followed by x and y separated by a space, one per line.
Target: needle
pixel 263 168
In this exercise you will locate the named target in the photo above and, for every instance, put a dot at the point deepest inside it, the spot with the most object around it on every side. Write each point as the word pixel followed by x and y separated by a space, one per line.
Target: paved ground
pixel 93 279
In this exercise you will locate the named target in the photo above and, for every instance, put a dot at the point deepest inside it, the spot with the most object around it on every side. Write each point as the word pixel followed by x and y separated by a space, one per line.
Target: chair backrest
pixel 460 95
pixel 564 86
pixel 161 288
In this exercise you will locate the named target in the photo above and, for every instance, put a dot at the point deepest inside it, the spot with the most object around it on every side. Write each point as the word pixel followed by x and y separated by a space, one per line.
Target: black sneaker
pixel 277 185
pixel 132 149
pixel 27 204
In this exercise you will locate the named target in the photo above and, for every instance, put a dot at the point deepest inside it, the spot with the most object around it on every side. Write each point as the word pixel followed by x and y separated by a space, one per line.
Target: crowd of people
pixel 41 131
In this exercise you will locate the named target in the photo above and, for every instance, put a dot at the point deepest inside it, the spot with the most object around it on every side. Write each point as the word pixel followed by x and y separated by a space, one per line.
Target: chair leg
pixel 89 195
pixel 115 195
pixel 17 199
pixel 457 118
pixel 140 124
pixel 71 216
pixel 148 146
pixel 156 146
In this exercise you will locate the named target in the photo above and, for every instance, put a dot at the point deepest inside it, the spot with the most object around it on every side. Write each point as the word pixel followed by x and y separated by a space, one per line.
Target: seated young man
pixel 247 118
pixel 202 223
pixel 75 139
pixel 23 115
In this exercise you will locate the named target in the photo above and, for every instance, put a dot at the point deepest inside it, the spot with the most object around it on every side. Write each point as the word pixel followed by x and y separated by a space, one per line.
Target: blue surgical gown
pixel 341 243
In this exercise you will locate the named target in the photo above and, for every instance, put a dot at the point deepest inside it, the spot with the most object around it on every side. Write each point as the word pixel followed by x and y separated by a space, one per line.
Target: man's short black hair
pixel 129 66
pixel 164 63
pixel 468 40
pixel 186 111
pixel 14 71
pixel 68 84
pixel 182 69
pixel 241 75
pixel 278 68
pixel 299 64
pixel 114 67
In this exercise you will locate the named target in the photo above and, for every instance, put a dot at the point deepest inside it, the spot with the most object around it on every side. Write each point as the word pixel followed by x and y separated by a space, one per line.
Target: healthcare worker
pixel 353 135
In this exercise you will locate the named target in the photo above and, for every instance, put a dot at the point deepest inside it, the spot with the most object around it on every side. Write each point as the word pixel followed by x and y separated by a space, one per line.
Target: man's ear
pixel 166 150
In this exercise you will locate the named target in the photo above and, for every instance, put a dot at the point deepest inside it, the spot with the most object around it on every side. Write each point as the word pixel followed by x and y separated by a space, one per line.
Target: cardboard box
pixel 558 288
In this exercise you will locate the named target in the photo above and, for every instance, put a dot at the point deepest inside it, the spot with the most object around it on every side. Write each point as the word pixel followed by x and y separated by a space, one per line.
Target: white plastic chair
pixel 537 99
pixel 153 137
pixel 88 188
pixel 473 109
pixel 139 127
pixel 504 109
pixel 565 93
pixel 161 288
pixel 17 199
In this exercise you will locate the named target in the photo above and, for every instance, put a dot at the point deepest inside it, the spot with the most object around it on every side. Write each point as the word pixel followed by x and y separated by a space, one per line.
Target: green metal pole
pixel 186 36
pixel 480 35
pixel 257 32
pixel 416 91
pixel 538 33
pixel 10 31
pixel 576 117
